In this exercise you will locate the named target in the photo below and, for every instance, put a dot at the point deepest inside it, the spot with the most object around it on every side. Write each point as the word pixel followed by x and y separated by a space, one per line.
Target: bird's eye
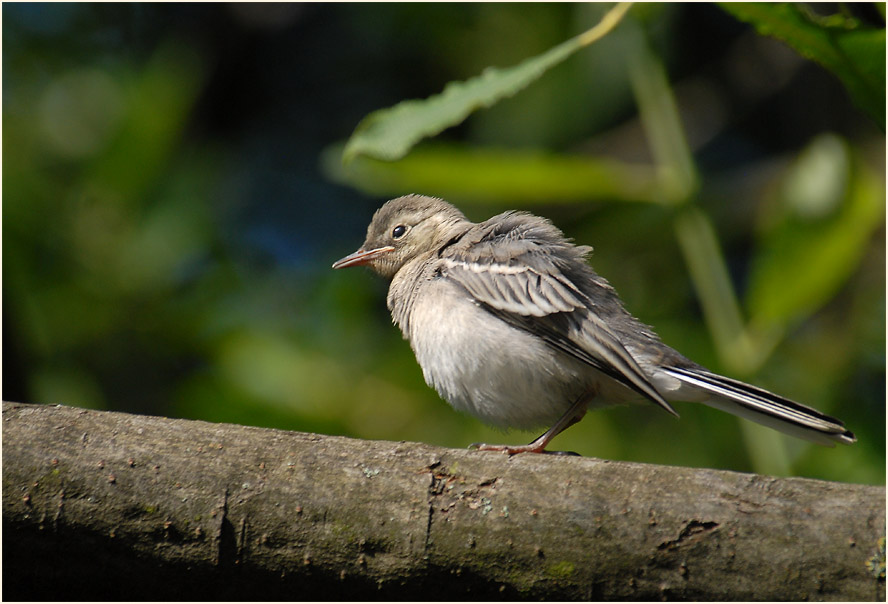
pixel 399 231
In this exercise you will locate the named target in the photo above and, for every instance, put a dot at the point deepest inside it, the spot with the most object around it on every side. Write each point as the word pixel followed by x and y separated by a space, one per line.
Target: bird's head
pixel 403 229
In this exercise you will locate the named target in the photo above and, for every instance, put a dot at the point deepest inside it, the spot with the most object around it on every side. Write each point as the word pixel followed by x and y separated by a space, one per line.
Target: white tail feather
pixel 763 407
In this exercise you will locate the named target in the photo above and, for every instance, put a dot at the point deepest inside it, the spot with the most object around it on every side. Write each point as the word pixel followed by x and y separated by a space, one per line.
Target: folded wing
pixel 517 266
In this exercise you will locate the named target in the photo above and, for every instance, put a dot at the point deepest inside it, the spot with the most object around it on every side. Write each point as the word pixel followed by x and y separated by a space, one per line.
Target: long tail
pixel 764 407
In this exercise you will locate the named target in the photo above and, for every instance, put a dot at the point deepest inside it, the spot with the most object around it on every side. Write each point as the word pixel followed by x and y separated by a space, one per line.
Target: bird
pixel 510 324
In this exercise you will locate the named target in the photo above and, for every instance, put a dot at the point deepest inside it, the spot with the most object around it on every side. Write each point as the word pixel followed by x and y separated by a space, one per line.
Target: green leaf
pixel 500 175
pixel 390 133
pixel 816 240
pixel 853 53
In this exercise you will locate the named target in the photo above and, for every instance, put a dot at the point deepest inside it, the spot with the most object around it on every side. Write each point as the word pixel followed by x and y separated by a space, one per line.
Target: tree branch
pixel 101 505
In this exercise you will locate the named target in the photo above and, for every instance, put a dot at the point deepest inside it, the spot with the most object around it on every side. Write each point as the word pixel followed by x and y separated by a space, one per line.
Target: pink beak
pixel 362 257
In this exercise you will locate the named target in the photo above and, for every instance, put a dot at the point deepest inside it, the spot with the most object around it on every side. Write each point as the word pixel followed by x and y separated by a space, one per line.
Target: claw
pixel 514 450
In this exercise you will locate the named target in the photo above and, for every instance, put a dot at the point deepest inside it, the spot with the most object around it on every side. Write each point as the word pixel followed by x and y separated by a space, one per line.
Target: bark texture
pixel 100 505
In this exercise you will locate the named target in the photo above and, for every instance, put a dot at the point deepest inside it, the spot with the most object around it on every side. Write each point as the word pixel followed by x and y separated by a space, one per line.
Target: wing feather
pixel 512 265
pixel 767 408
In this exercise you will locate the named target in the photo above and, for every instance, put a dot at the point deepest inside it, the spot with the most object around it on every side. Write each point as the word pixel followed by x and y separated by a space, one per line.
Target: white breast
pixel 483 366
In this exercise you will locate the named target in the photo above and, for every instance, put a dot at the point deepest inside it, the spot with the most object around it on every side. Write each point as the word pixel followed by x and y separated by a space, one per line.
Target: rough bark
pixel 100 505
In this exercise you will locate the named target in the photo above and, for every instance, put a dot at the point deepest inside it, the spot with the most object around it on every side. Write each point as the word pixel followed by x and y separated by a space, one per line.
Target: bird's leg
pixel 574 414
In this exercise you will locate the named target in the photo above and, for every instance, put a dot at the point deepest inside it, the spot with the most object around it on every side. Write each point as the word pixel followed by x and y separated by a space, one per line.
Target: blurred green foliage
pixel 838 41
pixel 173 198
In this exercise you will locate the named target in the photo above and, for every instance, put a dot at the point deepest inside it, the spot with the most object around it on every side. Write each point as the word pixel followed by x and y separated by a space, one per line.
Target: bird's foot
pixel 507 449
pixel 515 449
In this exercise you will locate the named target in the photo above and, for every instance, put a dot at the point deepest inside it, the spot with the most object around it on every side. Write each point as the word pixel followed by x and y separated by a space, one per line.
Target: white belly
pixel 500 374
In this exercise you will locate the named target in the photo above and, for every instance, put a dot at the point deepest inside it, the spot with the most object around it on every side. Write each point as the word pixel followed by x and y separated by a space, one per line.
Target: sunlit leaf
pixel 390 133
pixel 499 174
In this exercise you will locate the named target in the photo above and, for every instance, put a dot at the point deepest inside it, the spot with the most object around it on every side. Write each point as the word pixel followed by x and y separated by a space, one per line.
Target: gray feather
pixel 510 264
pixel 763 407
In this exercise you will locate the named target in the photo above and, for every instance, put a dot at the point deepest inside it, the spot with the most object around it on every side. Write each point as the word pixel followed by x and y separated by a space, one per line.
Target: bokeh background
pixel 173 199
